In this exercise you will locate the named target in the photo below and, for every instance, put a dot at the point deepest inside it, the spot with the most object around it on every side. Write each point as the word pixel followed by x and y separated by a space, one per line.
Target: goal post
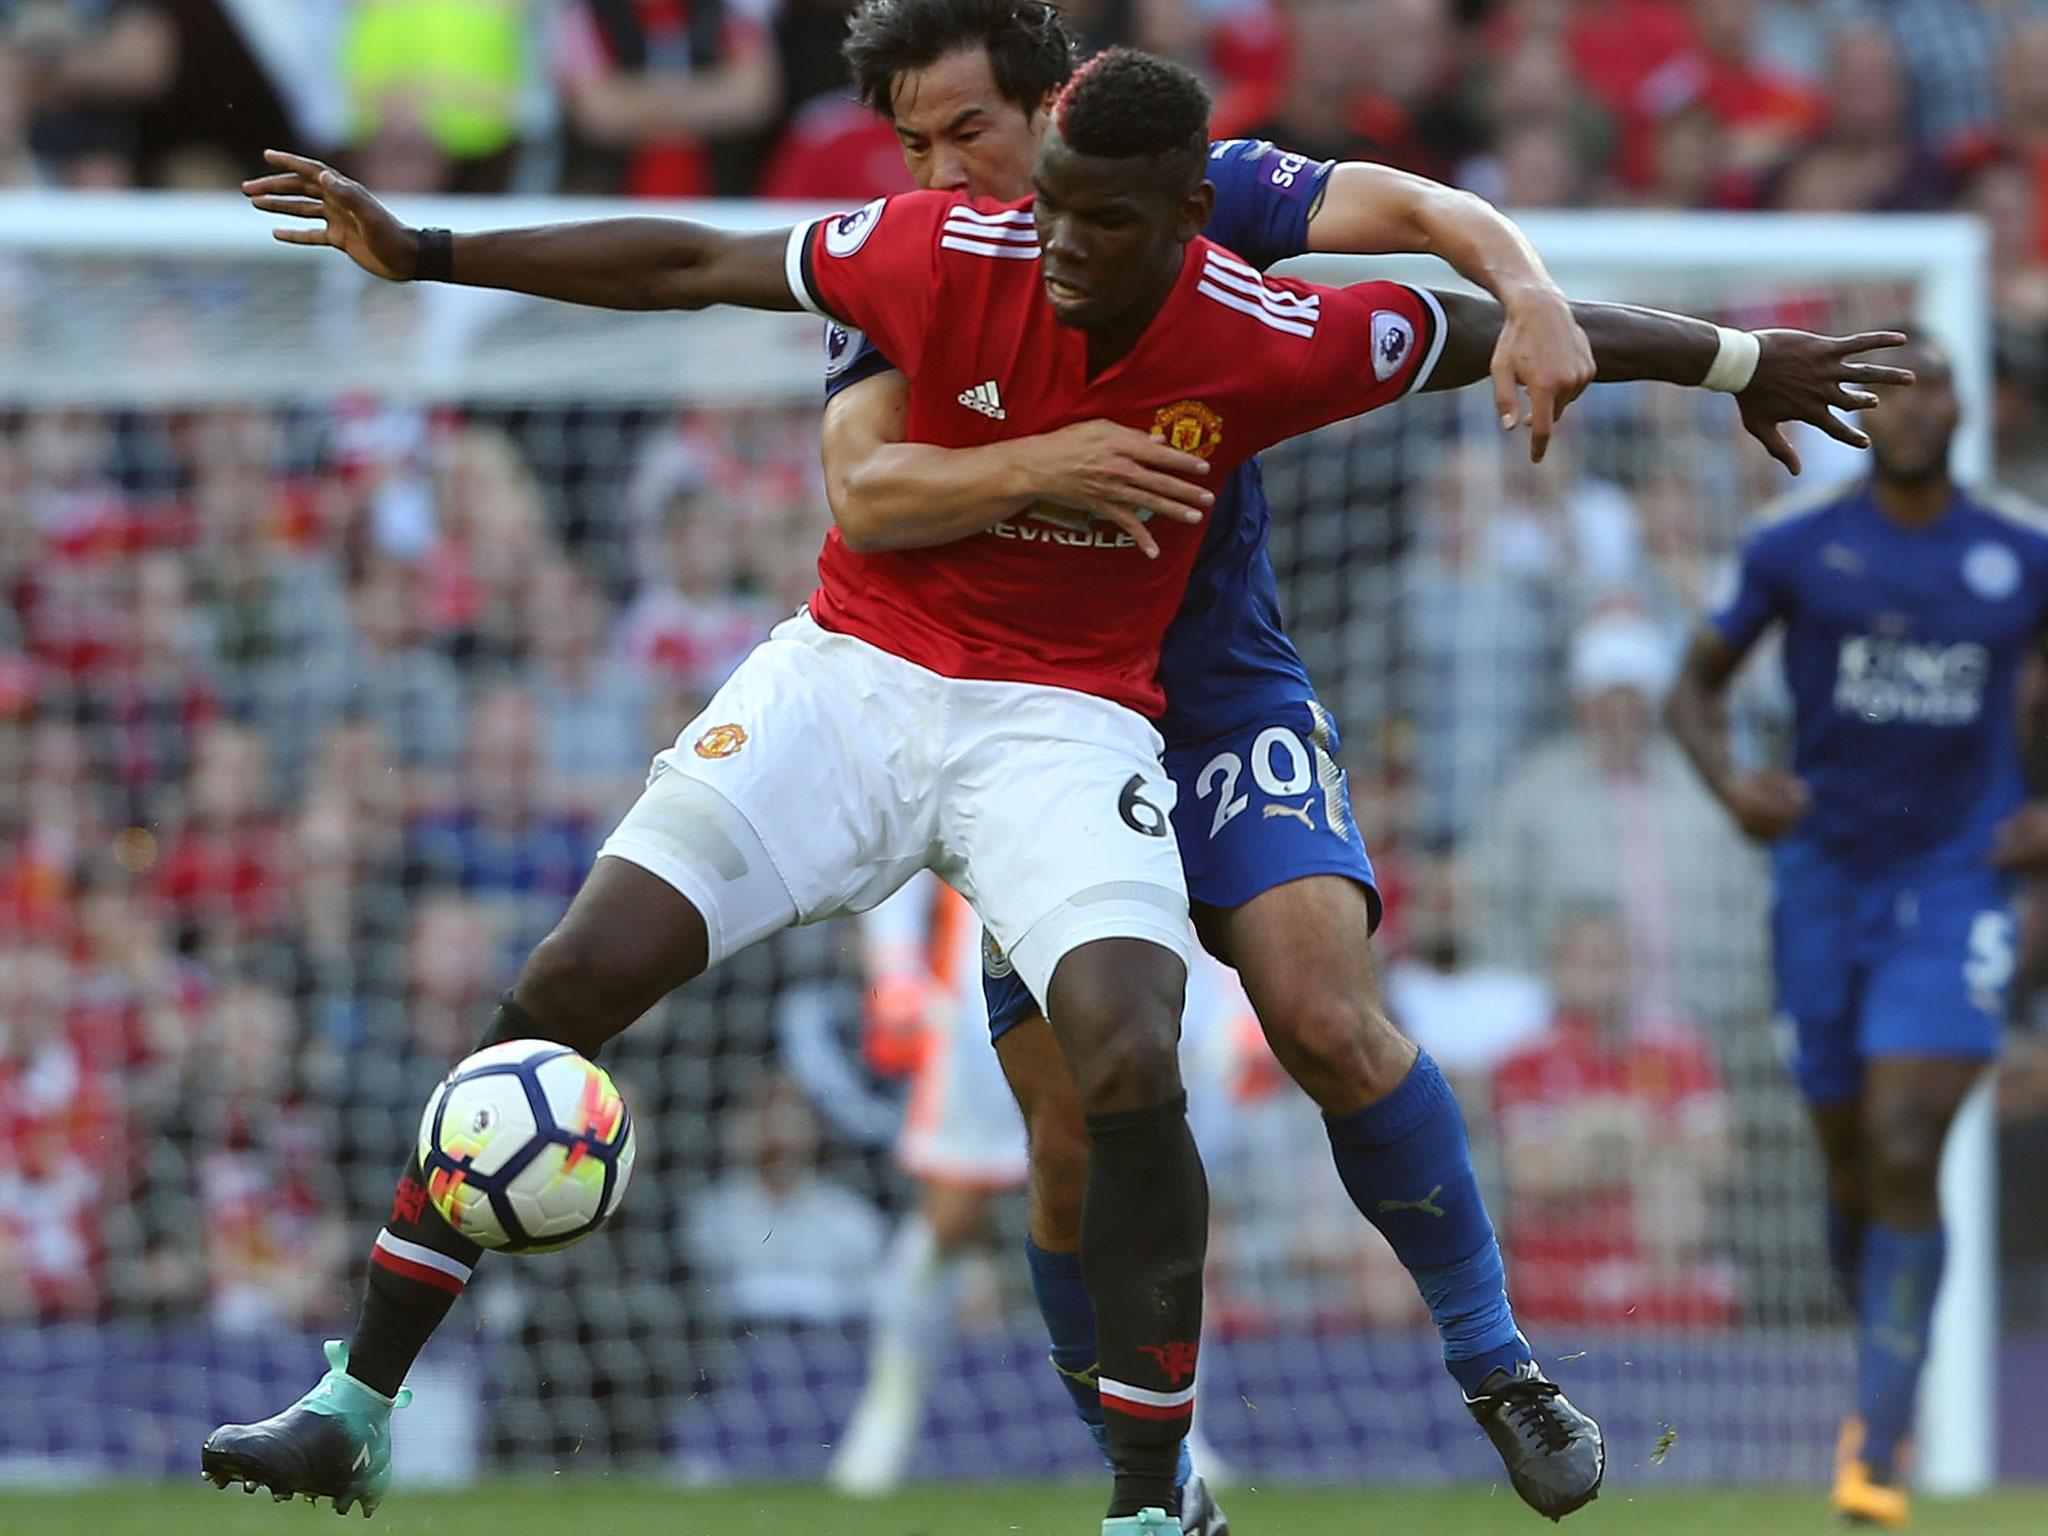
pixel 501 491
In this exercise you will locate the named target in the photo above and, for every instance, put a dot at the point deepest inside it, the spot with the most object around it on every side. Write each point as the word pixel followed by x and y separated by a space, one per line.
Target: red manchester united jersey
pixel 1233 363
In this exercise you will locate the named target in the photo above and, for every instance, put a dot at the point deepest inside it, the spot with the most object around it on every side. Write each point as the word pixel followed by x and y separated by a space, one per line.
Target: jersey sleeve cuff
pixel 1433 345
pixel 866 366
pixel 796 266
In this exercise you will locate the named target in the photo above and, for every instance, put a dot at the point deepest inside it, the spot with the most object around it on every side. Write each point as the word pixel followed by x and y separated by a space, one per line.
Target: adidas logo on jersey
pixel 985 398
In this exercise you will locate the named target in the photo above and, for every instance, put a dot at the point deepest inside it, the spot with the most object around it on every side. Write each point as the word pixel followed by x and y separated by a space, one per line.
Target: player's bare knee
pixel 1130 1061
pixel 1115 1006
pixel 573 988
pixel 1902 1164
pixel 1344 1051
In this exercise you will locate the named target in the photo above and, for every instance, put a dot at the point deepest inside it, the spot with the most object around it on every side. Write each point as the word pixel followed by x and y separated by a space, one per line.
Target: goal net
pixel 343 621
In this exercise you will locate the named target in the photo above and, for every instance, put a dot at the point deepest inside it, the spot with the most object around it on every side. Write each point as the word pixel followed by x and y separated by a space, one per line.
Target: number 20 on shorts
pixel 1282 765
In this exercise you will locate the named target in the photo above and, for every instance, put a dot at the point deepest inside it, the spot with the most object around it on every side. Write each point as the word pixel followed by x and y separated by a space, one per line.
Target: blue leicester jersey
pixel 1903 652
pixel 1225 658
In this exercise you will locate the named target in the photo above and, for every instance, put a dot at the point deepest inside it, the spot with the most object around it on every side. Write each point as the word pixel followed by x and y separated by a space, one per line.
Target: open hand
pixel 1804 377
pixel 1543 350
pixel 349 219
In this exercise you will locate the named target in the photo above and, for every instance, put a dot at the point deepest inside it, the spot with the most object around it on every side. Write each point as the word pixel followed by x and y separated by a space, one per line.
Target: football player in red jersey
pixel 1278 873
pixel 978 708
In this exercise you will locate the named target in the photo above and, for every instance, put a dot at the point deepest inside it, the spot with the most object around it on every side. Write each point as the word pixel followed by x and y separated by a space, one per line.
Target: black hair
pixel 1031 49
pixel 1123 103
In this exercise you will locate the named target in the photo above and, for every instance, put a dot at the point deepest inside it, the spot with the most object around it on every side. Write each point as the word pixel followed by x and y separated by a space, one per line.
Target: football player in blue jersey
pixel 1275 863
pixel 1909 608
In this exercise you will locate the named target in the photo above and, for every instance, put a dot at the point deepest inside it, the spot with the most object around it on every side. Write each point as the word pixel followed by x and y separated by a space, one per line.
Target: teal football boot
pixel 335 1442
pixel 1146 1522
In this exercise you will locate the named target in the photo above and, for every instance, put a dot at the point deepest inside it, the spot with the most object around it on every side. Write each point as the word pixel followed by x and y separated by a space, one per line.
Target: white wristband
pixel 1735 364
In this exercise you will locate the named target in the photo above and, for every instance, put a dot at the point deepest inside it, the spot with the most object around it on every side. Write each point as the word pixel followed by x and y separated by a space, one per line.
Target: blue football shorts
pixel 1914 963
pixel 1256 808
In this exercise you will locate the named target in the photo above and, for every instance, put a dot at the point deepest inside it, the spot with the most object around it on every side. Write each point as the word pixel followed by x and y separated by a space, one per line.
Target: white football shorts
pixel 826 772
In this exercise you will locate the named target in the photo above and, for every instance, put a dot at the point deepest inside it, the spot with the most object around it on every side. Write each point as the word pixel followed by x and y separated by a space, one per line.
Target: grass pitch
pixel 587 1506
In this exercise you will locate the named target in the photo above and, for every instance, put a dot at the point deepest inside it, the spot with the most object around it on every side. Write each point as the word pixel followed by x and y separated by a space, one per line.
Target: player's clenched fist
pixel 350 219
pixel 1766 802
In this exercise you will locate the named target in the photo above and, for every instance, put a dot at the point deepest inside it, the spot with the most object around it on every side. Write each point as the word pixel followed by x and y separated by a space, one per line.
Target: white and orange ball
pixel 526 1147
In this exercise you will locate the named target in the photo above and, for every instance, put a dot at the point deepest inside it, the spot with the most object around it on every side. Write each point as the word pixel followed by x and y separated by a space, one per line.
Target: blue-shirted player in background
pixel 1910 608
pixel 1278 872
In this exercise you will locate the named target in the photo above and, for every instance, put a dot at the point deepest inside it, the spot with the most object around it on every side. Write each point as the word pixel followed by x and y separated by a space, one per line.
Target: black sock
pixel 512 1022
pixel 418 1264
pixel 1144 1235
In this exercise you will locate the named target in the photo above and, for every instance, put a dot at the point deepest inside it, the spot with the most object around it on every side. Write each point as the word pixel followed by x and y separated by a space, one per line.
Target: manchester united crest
pixel 1189 426
pixel 721 741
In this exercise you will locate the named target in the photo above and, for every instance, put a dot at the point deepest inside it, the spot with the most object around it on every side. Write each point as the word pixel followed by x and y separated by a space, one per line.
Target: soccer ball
pixel 526 1147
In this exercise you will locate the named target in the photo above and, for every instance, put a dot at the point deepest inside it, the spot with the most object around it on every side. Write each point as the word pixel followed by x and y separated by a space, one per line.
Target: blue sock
pixel 1845 1248
pixel 1408 1168
pixel 1900 1273
pixel 1070 1324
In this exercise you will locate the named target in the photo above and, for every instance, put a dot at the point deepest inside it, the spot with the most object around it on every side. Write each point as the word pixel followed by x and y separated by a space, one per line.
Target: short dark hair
pixel 1124 103
pixel 1031 49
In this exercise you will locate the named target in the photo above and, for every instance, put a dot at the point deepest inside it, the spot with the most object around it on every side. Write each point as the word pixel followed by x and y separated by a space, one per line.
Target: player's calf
pixel 1054 1129
pixel 1908 1104
pixel 1342 1049
pixel 1144 1240
pixel 1115 1006
pixel 626 942
pixel 1838 1125
pixel 1405 1161
pixel 419 1265
pixel 1901 1166
pixel 1396 1134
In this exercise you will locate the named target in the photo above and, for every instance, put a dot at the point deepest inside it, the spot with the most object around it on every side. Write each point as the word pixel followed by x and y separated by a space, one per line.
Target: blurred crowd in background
pixel 1805 105
pixel 311 719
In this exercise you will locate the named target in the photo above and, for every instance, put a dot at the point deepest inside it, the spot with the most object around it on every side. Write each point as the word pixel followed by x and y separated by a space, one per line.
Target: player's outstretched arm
pixel 634 263
pixel 1776 376
pixel 1369 210
pixel 1765 802
pixel 887 493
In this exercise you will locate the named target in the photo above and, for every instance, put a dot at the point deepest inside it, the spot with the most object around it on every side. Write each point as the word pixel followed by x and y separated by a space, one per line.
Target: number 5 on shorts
pixel 1989 964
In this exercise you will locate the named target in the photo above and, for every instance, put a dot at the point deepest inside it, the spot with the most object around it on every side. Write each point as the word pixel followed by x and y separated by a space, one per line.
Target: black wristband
pixel 435 262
